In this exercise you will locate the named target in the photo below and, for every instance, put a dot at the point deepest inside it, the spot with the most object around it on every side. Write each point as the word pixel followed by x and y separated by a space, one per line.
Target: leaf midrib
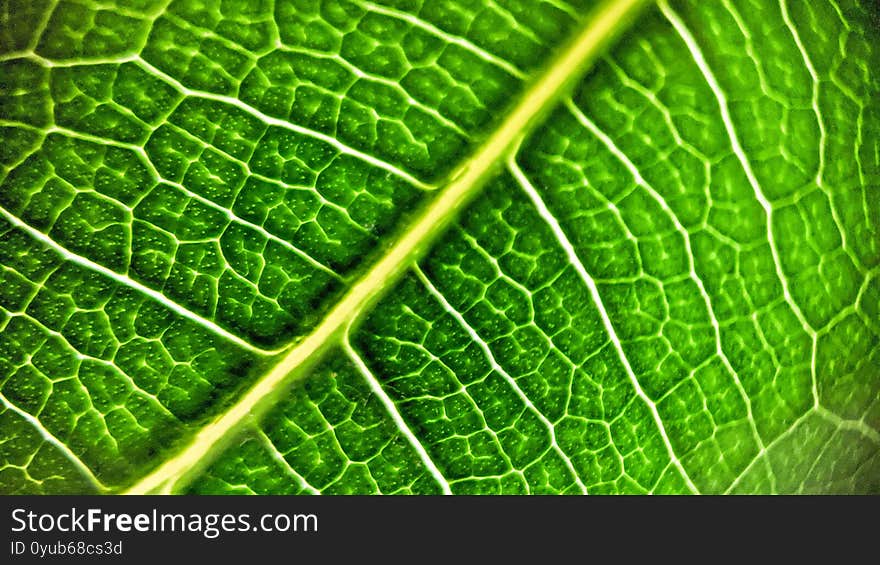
pixel 600 27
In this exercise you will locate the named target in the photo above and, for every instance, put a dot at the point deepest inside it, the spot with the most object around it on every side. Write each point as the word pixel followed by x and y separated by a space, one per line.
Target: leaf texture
pixel 669 285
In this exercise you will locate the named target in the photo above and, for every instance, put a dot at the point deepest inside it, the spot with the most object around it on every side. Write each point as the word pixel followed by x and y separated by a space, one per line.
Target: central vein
pixel 599 29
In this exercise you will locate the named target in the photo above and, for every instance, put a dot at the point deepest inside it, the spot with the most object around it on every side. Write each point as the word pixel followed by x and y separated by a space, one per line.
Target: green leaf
pixel 233 259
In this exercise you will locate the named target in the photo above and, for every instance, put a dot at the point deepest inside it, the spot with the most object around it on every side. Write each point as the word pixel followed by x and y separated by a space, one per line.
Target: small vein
pixel 265 118
pixel 823 134
pixel 145 159
pixel 84 356
pixel 361 74
pixel 575 261
pixel 692 273
pixel 501 371
pixel 466 394
pixel 130 283
pixel 449 38
pixel 55 442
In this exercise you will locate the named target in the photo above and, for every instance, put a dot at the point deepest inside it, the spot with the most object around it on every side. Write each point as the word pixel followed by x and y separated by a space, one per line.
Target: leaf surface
pixel 669 285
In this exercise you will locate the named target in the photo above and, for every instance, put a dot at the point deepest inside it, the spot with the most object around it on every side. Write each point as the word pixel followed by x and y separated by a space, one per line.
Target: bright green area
pixel 214 180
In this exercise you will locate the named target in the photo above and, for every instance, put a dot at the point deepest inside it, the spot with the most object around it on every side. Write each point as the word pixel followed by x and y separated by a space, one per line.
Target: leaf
pixel 669 286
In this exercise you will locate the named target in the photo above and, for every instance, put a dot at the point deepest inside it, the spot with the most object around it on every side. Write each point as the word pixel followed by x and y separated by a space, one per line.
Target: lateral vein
pixel 278 457
pixel 392 410
pixel 490 357
pixel 56 443
pixel 575 262
pixel 738 150
pixel 692 270
pixel 697 55
pixel 128 282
